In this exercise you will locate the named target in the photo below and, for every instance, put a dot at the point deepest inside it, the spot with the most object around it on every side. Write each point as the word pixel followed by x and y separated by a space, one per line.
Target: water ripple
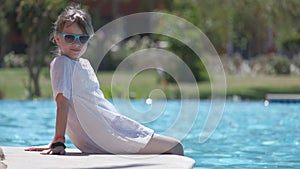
pixel 249 135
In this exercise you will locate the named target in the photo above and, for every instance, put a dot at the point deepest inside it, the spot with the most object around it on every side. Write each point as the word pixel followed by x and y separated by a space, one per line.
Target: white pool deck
pixel 282 97
pixel 16 158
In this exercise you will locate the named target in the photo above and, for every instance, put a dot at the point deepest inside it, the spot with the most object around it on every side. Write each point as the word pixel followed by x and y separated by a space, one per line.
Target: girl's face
pixel 75 49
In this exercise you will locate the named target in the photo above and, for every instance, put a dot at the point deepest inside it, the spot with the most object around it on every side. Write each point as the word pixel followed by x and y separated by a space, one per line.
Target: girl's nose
pixel 76 43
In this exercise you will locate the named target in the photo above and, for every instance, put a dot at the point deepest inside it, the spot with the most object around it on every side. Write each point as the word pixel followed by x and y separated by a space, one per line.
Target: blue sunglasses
pixel 71 38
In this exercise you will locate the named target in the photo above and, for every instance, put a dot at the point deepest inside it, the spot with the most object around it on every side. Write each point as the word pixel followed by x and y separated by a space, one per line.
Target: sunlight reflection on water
pixel 250 135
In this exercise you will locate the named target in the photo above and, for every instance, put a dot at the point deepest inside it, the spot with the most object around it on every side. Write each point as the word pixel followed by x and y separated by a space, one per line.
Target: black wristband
pixel 53 145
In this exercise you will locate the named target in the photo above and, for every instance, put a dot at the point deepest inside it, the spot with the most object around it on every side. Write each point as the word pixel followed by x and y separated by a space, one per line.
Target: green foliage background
pixel 240 30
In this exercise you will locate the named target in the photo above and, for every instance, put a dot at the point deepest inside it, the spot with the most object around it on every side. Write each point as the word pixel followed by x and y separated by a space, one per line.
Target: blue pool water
pixel 249 135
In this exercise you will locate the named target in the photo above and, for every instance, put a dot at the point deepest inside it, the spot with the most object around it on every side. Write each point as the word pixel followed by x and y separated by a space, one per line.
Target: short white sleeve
pixel 61 70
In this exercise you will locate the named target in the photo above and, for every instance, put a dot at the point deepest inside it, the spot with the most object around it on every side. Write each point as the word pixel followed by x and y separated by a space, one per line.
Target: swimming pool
pixel 250 135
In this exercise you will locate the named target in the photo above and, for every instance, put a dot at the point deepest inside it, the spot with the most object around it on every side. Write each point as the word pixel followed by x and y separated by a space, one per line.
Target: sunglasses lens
pixel 69 38
pixel 83 39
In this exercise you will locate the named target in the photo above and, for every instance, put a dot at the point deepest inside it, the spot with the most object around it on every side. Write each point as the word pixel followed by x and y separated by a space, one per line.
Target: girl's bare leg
pixel 159 144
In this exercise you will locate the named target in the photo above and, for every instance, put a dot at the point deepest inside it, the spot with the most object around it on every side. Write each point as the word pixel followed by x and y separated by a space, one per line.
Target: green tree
pixel 35 19
pixel 7 10
pixel 260 26
pixel 248 26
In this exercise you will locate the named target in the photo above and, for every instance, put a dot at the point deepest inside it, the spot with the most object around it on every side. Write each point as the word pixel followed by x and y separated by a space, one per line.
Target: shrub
pixel 291 45
pixel 271 64
pixel 237 61
pixel 136 43
pixel 12 60
pixel 261 64
pixel 281 65
pixel 296 60
pixel 228 64
pixel 1 94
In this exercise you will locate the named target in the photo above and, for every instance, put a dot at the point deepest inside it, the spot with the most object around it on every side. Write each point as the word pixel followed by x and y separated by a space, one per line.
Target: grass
pixel 257 87
pixel 12 85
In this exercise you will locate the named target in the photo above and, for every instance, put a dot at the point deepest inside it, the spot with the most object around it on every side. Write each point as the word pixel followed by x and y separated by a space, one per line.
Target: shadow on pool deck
pixel 121 167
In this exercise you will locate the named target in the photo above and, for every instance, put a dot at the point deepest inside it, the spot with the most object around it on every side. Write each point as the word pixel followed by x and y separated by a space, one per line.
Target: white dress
pixel 94 125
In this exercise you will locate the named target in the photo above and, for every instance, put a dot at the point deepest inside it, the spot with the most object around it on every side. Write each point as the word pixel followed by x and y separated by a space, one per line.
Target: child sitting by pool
pixel 91 122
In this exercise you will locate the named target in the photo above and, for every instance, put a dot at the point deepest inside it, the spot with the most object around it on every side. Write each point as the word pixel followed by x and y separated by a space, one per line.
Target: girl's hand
pixel 59 150
pixel 46 149
pixel 38 148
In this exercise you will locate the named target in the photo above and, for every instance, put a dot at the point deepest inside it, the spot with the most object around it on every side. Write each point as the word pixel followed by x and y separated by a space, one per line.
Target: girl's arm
pixel 61 118
pixel 61 123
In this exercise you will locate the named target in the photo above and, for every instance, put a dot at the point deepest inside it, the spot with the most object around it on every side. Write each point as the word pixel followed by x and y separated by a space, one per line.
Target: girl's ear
pixel 56 38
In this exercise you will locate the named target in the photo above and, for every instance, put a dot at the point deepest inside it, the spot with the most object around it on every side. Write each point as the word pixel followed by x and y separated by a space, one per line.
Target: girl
pixel 82 109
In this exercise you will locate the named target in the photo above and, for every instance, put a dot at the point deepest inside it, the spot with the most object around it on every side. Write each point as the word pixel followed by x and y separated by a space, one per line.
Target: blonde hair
pixel 73 14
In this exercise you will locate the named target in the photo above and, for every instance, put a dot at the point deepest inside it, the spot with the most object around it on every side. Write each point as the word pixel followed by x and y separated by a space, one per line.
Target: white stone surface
pixel 17 158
